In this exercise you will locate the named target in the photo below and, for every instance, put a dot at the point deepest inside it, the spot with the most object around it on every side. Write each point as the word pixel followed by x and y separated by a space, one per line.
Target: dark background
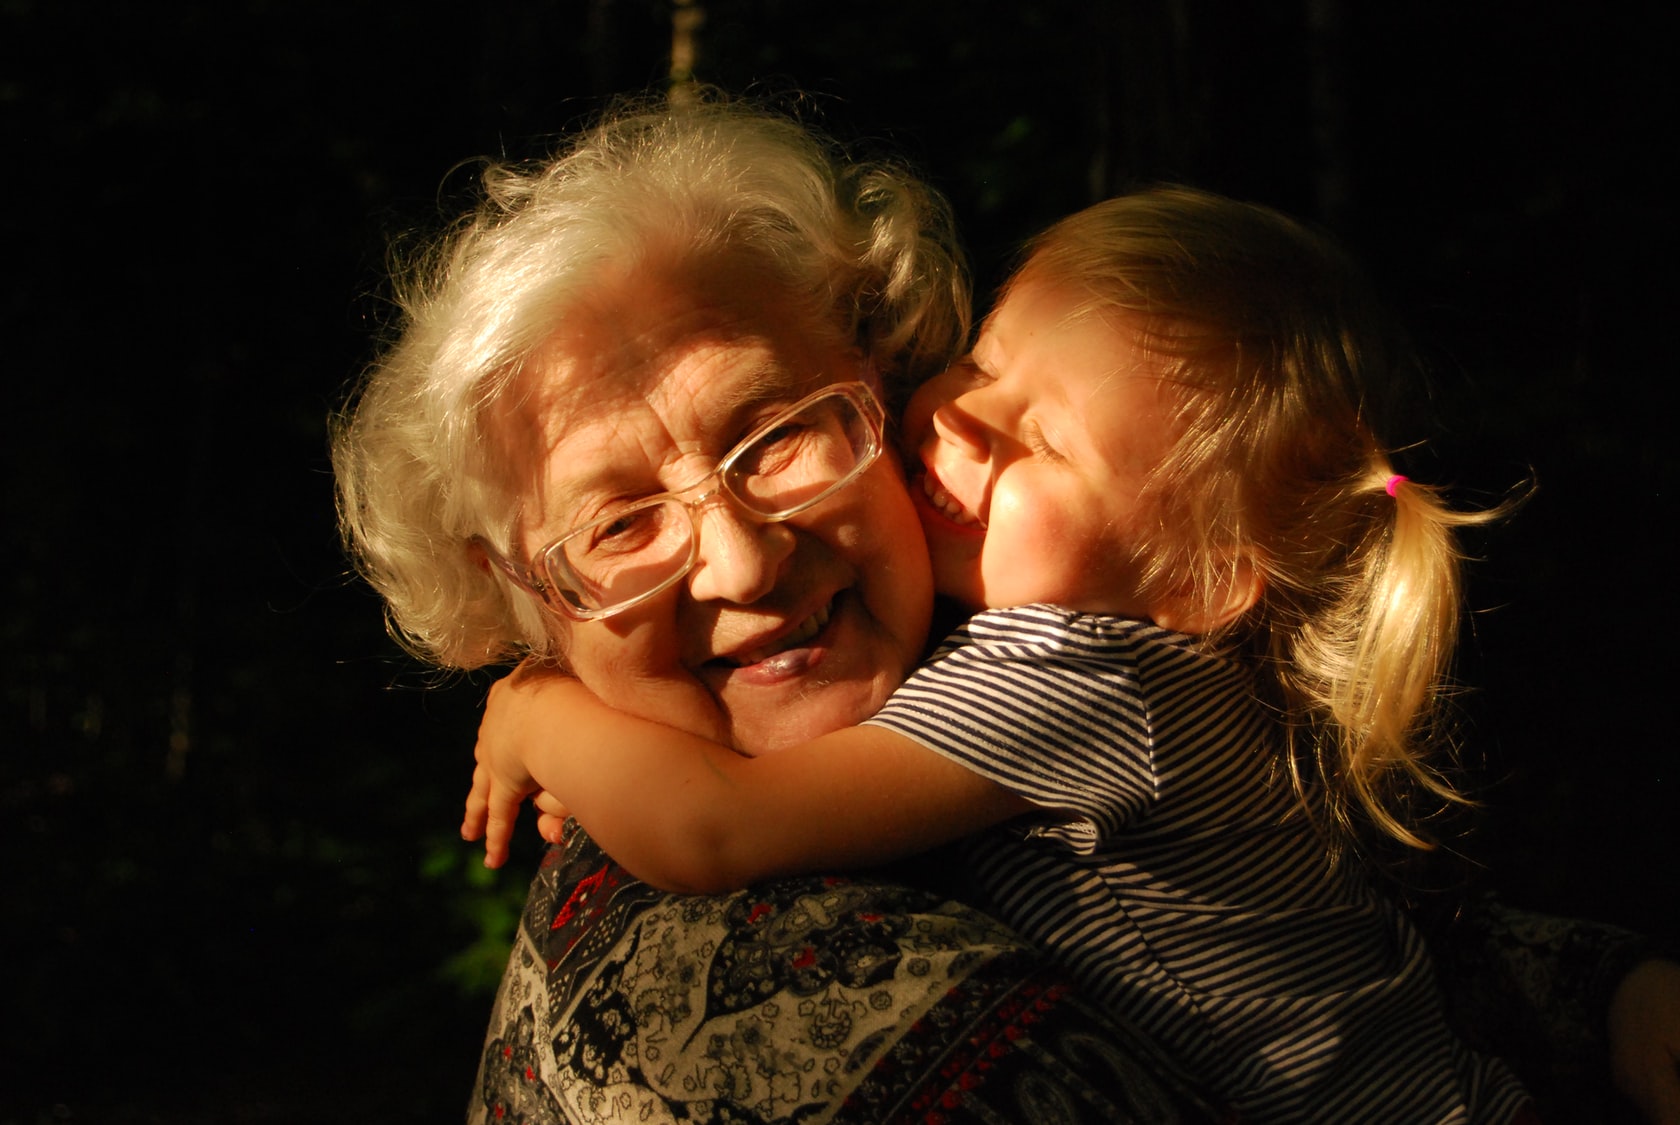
pixel 232 886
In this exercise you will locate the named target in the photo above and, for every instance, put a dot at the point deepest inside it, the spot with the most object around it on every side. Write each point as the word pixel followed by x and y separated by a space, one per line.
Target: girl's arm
pixel 688 815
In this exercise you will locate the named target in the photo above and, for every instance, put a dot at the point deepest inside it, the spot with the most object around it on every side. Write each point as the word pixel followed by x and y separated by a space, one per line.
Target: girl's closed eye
pixel 1039 443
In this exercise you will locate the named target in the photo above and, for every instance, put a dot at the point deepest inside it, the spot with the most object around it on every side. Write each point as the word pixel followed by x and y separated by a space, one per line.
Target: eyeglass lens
pixel 789 466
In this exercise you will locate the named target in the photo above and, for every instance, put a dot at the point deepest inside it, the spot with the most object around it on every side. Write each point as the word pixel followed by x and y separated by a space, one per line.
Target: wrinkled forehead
pixel 650 370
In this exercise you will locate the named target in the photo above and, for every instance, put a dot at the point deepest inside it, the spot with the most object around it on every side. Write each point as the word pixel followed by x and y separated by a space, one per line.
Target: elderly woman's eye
pixel 777 448
pixel 786 432
pixel 628 531
pixel 791 434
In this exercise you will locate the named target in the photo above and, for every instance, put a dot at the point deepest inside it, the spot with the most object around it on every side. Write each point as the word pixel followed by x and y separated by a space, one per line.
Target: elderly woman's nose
pixel 740 557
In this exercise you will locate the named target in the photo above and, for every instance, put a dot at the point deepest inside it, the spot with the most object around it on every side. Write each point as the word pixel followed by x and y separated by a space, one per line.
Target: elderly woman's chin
pixel 837 678
pixel 825 669
pixel 861 625
pixel 828 669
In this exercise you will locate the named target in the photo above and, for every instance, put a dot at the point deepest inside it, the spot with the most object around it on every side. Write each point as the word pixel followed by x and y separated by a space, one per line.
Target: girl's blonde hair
pixel 1275 349
pixel 868 250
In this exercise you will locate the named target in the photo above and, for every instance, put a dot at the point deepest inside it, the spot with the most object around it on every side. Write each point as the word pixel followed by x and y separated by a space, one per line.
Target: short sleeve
pixel 1054 714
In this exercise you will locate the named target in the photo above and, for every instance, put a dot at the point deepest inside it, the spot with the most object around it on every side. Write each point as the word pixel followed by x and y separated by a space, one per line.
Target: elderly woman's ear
pixel 480 558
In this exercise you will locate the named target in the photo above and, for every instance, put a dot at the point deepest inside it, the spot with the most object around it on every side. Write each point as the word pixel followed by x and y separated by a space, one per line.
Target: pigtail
pixel 1374 663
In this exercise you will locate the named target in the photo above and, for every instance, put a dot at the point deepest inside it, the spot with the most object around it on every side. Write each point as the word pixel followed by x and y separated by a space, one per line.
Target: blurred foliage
pixel 227 803
pixel 488 905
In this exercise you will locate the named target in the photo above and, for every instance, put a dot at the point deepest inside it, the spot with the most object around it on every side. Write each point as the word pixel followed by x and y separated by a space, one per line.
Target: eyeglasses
pixel 791 463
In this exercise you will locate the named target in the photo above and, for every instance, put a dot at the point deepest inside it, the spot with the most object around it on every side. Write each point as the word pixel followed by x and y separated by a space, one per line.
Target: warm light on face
pixel 1036 451
pixel 780 589
pixel 793 462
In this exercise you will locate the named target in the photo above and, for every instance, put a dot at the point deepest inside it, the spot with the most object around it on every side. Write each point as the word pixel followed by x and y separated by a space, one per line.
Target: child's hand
pixel 492 808
pixel 551 817
pixel 513 728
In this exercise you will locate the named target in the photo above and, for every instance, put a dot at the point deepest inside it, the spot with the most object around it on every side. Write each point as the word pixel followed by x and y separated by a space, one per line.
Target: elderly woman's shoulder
pixel 811 998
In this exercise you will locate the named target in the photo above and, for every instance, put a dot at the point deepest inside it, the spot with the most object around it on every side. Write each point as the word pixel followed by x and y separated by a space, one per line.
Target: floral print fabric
pixel 809 999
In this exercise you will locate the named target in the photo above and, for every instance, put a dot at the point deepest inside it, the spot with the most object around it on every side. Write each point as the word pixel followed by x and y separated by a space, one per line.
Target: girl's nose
pixel 956 427
pixel 740 557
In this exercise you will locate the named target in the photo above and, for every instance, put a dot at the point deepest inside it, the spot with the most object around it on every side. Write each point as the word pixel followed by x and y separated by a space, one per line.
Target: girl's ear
pixel 1197 617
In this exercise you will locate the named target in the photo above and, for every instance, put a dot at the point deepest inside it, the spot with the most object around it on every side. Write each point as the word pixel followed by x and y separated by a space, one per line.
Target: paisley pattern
pixel 811 999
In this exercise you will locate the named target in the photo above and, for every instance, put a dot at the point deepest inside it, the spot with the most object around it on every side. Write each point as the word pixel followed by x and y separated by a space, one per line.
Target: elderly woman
pixel 607 364
pixel 646 321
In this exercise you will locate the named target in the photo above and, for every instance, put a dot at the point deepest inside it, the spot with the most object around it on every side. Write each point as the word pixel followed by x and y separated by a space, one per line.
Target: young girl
pixel 1233 620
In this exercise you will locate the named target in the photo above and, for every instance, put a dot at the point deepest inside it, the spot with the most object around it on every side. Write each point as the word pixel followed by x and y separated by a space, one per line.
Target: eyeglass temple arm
pixel 516 573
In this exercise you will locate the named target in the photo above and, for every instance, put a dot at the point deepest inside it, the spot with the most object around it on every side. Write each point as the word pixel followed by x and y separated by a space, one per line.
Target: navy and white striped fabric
pixel 1174 874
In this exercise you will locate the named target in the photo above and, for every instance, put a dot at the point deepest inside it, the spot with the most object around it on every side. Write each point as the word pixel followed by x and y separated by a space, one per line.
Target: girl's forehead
pixel 1034 304
pixel 1061 332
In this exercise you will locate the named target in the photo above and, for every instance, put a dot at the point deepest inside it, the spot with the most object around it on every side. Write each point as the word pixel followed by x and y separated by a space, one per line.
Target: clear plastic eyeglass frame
pixel 551 578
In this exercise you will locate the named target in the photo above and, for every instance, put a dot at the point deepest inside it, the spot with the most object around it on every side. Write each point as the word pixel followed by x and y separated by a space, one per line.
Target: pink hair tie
pixel 1394 482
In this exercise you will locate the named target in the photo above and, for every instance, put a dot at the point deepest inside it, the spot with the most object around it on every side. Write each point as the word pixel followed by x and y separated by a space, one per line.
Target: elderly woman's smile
pixel 781 628
pixel 784 654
